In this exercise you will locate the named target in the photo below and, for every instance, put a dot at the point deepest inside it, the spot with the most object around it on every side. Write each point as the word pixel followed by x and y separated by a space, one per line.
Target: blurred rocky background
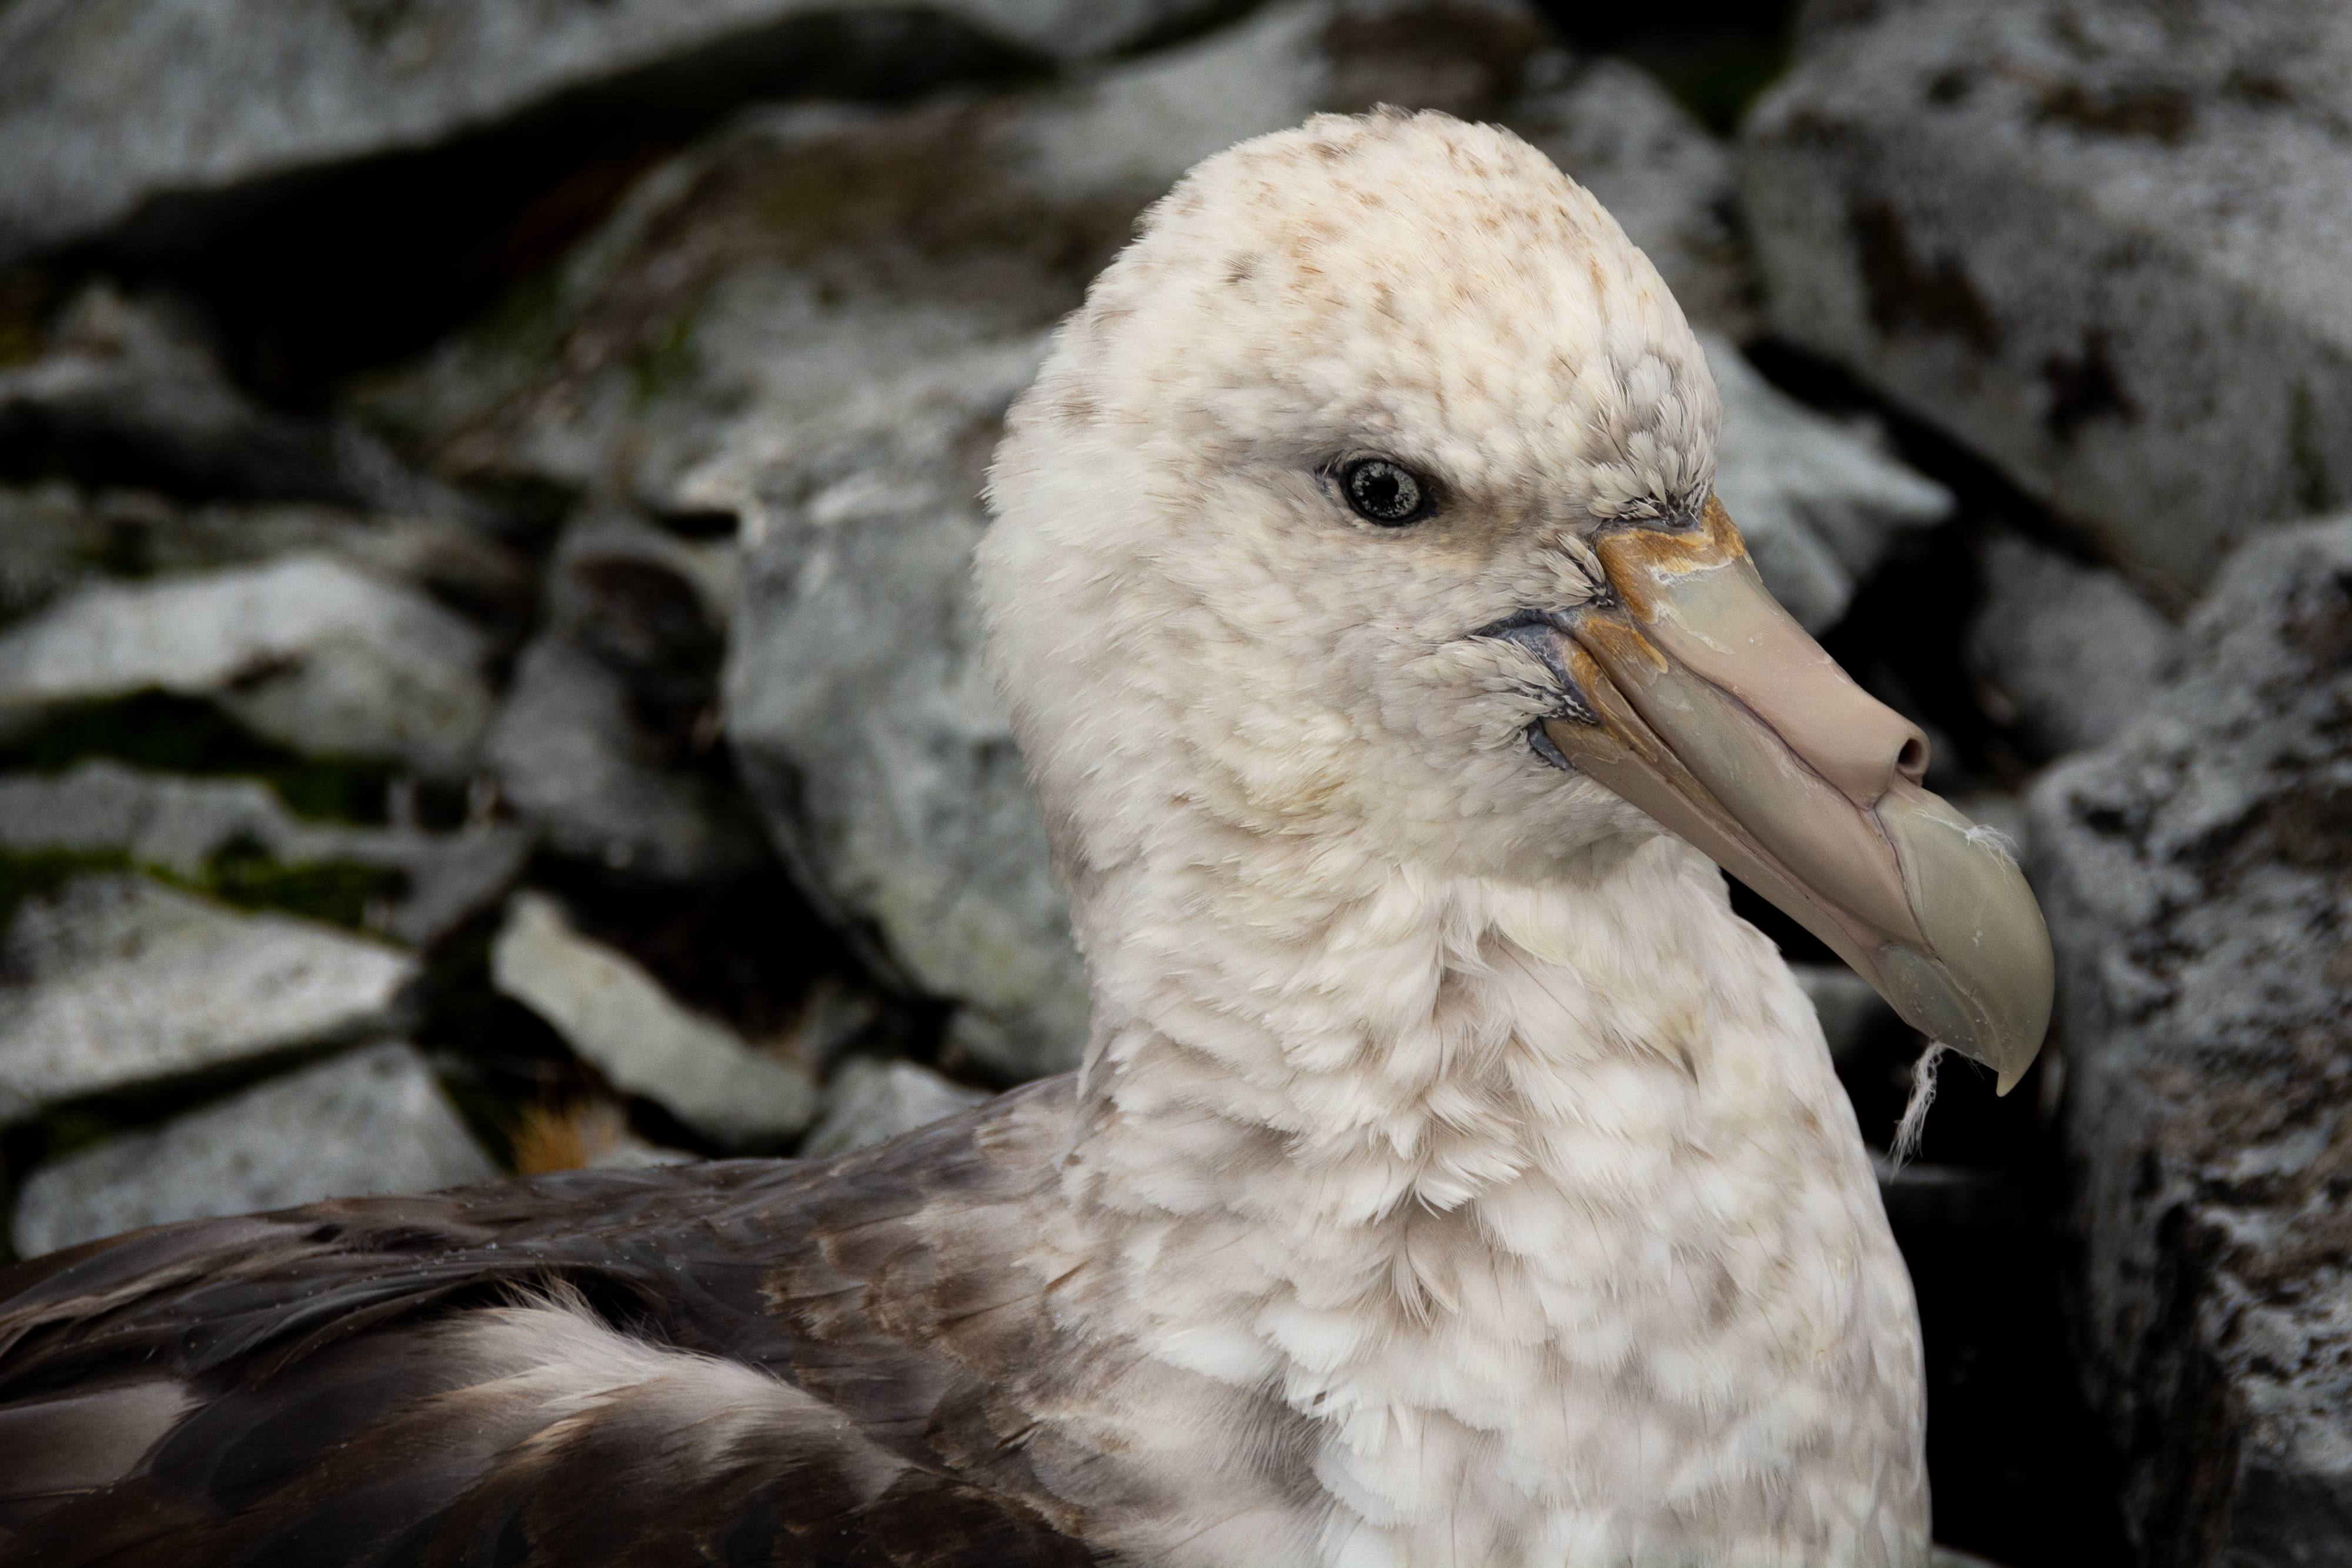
pixel 467 467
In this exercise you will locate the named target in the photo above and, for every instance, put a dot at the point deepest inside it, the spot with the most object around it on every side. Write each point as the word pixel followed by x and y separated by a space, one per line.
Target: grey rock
pixel 47 543
pixel 130 390
pixel 110 107
pixel 871 1102
pixel 114 982
pixel 374 1121
pixel 2063 654
pixel 1849 1007
pixel 54 538
pixel 620 1018
pixel 2101 243
pixel 2197 874
pixel 305 650
pixel 1820 501
pixel 882 760
pixel 573 757
pixel 132 386
pixel 181 824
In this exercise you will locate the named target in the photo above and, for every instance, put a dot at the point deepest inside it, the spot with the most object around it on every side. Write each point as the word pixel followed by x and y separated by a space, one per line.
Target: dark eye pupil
pixel 1383 491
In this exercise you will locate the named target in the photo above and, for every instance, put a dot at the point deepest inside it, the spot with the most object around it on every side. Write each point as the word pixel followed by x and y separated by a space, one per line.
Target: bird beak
pixel 1708 708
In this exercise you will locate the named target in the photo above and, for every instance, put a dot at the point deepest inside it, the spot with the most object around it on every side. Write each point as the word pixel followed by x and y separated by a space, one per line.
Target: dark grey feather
pixel 747 1362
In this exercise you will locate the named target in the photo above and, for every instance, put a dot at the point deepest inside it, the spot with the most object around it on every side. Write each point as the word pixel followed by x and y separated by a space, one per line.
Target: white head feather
pixel 1429 1087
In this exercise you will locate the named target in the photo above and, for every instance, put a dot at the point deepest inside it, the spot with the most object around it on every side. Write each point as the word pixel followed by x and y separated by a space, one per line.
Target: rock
pixel 172 109
pixel 619 1017
pixel 571 756
pixel 184 824
pixel 2197 873
pixel 47 542
pixel 123 391
pixel 608 736
pixel 305 650
pixel 872 1102
pixel 2063 654
pixel 882 761
pixel 374 1121
pixel 1849 1007
pixel 113 982
pixel 130 389
pixel 1819 502
pixel 54 538
pixel 2102 243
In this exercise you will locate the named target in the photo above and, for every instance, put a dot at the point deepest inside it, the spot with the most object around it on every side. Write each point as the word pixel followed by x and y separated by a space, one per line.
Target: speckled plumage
pixel 1431 1090
pixel 1451 1179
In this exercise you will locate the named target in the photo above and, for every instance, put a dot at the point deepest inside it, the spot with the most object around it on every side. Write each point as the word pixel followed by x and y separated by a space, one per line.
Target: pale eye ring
pixel 1383 491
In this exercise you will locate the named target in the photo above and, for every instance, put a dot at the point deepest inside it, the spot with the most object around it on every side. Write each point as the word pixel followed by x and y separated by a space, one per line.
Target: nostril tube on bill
pixel 1912 761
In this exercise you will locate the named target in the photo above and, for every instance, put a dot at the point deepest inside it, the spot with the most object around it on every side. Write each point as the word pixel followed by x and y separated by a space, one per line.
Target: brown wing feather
pixel 744 1361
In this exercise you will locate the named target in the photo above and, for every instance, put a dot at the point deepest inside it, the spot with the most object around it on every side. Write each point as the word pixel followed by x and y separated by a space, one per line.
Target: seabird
pixel 1452 1177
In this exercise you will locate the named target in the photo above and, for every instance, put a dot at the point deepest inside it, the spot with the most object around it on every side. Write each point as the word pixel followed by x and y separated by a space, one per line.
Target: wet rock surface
pixel 2197 878
pixel 114 982
pixel 2101 243
pixel 373 1121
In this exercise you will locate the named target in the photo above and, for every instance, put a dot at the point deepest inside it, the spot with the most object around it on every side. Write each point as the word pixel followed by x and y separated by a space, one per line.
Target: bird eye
pixel 1383 491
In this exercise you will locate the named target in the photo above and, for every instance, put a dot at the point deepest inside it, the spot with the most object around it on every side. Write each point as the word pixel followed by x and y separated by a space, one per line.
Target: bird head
pixel 1366 508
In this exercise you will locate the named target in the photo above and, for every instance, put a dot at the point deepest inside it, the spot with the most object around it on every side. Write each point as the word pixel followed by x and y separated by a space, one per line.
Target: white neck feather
pixel 1537 1198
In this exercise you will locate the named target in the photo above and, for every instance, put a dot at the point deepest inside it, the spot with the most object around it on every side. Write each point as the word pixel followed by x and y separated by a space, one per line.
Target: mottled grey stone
pixel 53 538
pixel 2197 873
pixel 2063 654
pixel 619 1017
pixel 123 390
pixel 573 758
pixel 307 650
pixel 374 1121
pixel 114 982
pixel 2101 242
pixel 48 541
pixel 180 824
pixel 871 1102
pixel 1820 501
pixel 132 386
pixel 107 105
pixel 605 737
